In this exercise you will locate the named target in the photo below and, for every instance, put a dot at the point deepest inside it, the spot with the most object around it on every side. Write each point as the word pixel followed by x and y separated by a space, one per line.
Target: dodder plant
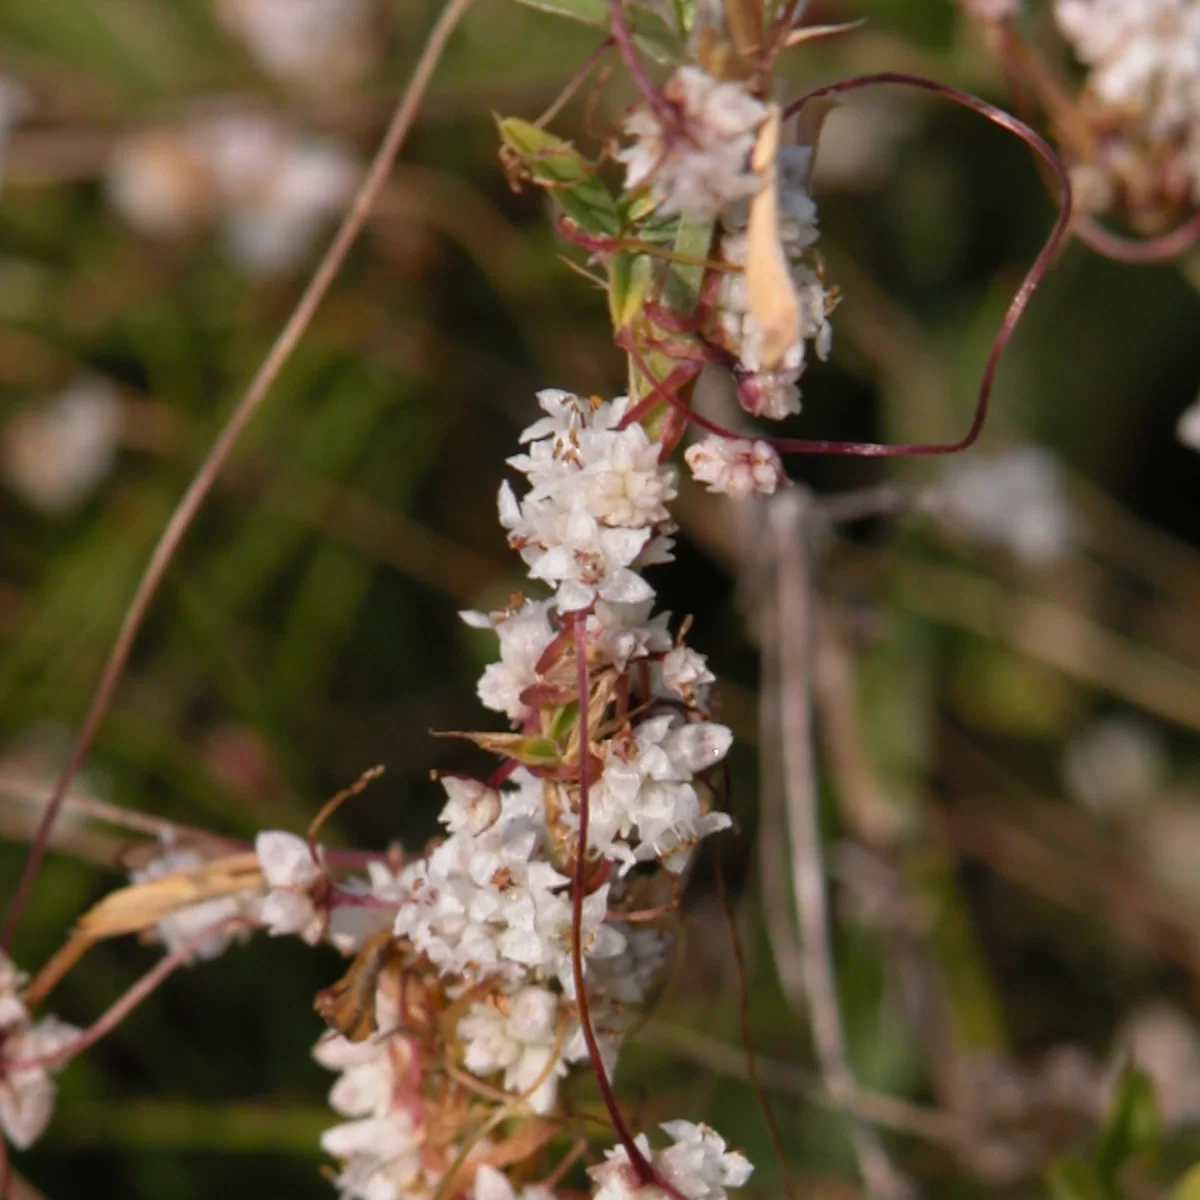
pixel 521 947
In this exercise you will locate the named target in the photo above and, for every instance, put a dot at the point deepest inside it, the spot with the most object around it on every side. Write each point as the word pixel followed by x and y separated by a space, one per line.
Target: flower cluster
pixel 465 979
pixel 694 153
pixel 1144 83
pixel 26 1089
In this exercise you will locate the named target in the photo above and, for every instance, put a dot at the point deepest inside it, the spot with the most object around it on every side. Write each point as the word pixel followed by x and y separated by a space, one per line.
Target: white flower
pixel 524 637
pixel 1012 500
pixel 698 1165
pixel 622 633
pixel 56 454
pixel 381 1156
pixel 295 877
pixel 470 805
pixel 185 924
pixel 26 1092
pixel 520 1042
pixel 701 164
pixel 647 788
pixel 772 394
pixel 735 467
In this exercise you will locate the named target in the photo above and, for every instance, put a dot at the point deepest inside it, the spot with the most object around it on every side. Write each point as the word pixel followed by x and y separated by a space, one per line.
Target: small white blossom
pixel 698 1165
pixel 700 163
pixel 56 454
pixel 1114 767
pixel 735 467
pixel 295 877
pixel 521 1042
pixel 524 637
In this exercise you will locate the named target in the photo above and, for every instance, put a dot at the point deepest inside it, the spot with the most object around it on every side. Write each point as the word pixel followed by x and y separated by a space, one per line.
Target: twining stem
pixel 129 1001
pixel 641 1165
pixel 251 401
pixel 1138 250
pixel 739 957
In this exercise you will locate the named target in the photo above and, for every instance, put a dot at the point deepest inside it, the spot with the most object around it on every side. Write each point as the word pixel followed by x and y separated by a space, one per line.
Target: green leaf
pixel 682 288
pixel 652 36
pixel 1070 1178
pixel 1187 1187
pixel 1132 1127
pixel 629 280
pixel 571 179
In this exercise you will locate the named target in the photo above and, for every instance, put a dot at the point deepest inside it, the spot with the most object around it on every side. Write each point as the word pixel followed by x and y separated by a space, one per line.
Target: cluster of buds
pixel 1141 102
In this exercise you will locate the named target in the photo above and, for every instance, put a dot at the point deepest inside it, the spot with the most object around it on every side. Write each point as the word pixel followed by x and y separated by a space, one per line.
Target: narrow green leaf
pixel 570 178
pixel 682 288
pixel 1070 1178
pixel 1132 1127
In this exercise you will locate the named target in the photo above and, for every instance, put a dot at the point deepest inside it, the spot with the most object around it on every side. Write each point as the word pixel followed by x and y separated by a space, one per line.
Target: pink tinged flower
pixel 295 878
pixel 698 1165
pixel 699 163
pixel 27 1094
pixel 735 467
pixel 470 805
pixel 685 672
pixel 493 1184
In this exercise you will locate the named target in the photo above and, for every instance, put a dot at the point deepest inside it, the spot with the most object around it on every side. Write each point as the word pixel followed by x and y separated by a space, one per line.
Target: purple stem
pixel 1137 250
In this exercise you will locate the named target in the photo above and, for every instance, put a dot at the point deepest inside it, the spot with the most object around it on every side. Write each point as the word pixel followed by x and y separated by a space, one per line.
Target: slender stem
pixel 639 1162
pixel 246 408
pixel 739 958
pixel 575 82
pixel 128 1002
pixel 1137 250
pixel 793 613
pixel 627 49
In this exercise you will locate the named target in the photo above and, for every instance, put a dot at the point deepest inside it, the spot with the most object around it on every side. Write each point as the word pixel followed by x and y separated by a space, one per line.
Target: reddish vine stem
pixel 181 519
pixel 739 957
pixel 640 1163
pixel 118 1011
pixel 1137 250
pixel 627 49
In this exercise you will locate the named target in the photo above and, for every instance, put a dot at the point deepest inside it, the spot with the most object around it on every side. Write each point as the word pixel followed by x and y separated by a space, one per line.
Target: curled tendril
pixel 1138 250
pixel 1016 308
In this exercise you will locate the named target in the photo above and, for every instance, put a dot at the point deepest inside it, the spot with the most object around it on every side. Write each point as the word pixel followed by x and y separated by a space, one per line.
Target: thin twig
pixel 888 1112
pixel 249 404
pixel 786 517
pixel 119 1010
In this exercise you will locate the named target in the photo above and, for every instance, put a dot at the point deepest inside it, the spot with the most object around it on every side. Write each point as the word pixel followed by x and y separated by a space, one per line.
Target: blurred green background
pixel 308 629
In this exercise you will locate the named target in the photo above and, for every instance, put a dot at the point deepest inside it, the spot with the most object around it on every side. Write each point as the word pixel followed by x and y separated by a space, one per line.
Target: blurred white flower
pixel 698 1165
pixel 1114 766
pixel 268 187
pixel 55 454
pixel 1188 429
pixel 1014 501
pixel 187 923
pixel 322 43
